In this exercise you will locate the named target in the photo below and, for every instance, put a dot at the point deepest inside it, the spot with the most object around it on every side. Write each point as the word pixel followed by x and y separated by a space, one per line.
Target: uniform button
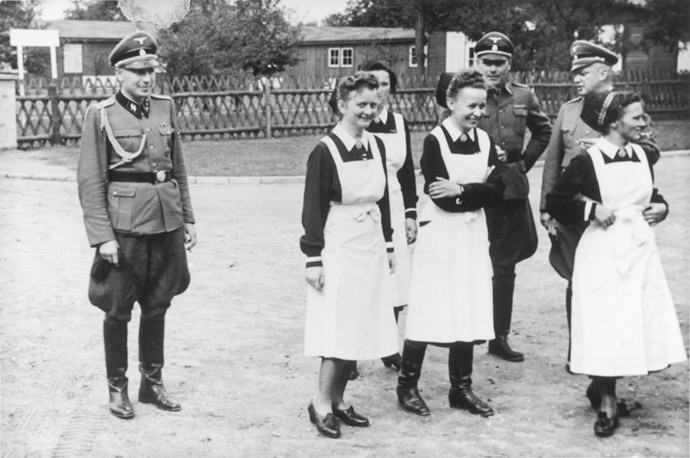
pixel 151 147
pixel 148 129
pixel 503 127
pixel 587 132
pixel 114 193
pixel 154 164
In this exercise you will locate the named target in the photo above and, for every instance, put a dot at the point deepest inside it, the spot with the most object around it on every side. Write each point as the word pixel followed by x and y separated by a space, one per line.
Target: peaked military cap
pixel 494 43
pixel 136 50
pixel 586 53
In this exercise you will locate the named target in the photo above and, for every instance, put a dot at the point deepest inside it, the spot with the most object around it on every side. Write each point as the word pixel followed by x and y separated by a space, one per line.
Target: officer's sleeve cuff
pixel 411 213
pixel 314 261
pixel 389 247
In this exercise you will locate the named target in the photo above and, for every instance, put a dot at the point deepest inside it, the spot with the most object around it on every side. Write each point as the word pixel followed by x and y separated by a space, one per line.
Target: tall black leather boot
pixel 460 396
pixel 408 395
pixel 151 338
pixel 115 340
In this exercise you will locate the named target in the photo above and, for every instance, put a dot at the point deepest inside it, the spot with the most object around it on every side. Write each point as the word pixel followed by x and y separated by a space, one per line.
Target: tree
pixel 217 37
pixel 666 24
pixel 95 10
pixel 22 15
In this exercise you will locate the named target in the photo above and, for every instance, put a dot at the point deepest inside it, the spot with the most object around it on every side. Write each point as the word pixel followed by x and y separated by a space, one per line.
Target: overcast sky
pixel 299 10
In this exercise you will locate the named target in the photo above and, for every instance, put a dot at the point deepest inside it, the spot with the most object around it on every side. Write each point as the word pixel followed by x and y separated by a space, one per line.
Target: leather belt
pixel 160 176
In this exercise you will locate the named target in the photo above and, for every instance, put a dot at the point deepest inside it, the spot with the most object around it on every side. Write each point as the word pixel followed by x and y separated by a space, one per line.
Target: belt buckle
pixel 160 176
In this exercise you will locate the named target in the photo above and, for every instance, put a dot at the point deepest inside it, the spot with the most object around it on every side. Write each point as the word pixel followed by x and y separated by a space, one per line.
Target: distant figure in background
pixel 450 298
pixel 571 136
pixel 138 214
pixel 348 242
pixel 392 128
pixel 623 318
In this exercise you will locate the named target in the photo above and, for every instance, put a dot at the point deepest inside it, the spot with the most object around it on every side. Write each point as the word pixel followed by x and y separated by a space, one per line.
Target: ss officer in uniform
pixel 511 109
pixel 138 215
pixel 592 74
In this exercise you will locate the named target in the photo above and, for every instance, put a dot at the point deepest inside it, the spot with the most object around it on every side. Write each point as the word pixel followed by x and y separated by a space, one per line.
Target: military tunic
pixel 133 212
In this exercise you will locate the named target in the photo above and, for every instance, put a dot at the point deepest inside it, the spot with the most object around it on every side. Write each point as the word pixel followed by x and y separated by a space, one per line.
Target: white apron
pixel 624 321
pixel 351 317
pixel 396 150
pixel 451 294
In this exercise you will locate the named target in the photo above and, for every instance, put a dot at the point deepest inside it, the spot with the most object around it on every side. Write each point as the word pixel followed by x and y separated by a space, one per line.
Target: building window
pixel 470 56
pixel 73 58
pixel 347 54
pixel 413 57
pixel 334 57
pixel 340 57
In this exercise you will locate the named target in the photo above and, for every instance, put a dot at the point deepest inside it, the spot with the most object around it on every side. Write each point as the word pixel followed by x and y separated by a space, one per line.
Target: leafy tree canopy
pixel 95 10
pixel 542 30
pixel 218 37
pixel 22 15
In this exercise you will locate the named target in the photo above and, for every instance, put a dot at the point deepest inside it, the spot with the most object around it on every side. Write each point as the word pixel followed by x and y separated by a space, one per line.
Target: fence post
pixel 55 115
pixel 269 106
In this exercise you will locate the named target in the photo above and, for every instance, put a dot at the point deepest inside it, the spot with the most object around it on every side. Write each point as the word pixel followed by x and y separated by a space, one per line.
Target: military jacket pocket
pixel 520 120
pixel 121 206
pixel 568 135
pixel 129 140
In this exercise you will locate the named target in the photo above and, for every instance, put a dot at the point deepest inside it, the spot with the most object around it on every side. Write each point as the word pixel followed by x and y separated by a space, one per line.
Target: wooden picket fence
pixel 288 105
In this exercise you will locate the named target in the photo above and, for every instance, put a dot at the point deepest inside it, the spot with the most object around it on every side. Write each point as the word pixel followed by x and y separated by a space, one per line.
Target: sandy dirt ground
pixel 234 348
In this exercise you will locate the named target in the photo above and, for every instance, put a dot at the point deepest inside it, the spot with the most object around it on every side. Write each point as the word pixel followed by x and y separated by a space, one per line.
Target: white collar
pixel 611 150
pixel 453 131
pixel 383 116
pixel 348 140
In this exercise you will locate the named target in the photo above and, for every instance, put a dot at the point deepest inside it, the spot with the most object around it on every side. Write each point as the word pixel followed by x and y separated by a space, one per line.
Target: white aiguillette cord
pixel 125 155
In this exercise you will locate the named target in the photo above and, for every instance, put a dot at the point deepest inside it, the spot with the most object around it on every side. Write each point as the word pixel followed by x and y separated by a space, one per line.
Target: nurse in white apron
pixel 393 129
pixel 623 319
pixel 348 243
pixel 451 294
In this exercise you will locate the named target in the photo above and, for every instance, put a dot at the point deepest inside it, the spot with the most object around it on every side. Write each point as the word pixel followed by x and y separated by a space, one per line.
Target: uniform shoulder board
pixel 576 99
pixel 161 97
pixel 105 103
pixel 520 85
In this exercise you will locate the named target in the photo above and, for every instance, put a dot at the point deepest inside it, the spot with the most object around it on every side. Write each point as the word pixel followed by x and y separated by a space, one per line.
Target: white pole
pixel 20 67
pixel 53 62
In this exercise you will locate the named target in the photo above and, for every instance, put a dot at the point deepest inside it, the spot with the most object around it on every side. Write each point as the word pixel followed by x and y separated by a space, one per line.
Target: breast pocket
pixel 121 206
pixel 129 140
pixel 520 121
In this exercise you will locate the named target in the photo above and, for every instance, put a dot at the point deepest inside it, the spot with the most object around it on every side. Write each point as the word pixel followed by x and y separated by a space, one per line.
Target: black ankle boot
pixel 460 396
pixel 151 390
pixel 501 348
pixel 408 395
pixel 115 340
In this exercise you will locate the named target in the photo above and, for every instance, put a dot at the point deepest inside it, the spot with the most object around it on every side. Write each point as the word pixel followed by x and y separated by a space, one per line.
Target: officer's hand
pixel 502 155
pixel 314 276
pixel 108 251
pixel 411 230
pixel 549 223
pixel 443 187
pixel 392 263
pixel 603 216
pixel 655 213
pixel 189 236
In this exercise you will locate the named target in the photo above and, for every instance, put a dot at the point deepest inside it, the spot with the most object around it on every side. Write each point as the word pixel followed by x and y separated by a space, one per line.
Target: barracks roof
pixel 115 30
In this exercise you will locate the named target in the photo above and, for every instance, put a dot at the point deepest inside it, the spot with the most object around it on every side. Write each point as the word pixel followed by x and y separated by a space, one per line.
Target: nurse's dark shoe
pixel 393 361
pixel 350 417
pixel 326 425
pixel 605 426
pixel 354 373
pixel 408 394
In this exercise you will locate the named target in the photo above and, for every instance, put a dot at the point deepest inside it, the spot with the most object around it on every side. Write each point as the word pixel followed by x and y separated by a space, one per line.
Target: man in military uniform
pixel 592 74
pixel 511 109
pixel 138 215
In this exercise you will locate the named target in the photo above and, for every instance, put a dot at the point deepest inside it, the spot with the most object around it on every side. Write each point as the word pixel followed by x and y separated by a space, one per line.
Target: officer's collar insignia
pixel 140 40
